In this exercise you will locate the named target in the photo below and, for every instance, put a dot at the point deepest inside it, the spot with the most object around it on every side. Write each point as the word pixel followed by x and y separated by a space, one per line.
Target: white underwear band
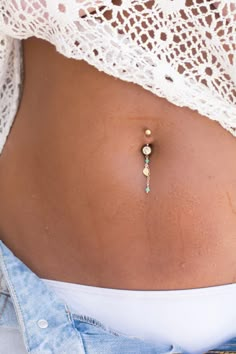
pixel 196 319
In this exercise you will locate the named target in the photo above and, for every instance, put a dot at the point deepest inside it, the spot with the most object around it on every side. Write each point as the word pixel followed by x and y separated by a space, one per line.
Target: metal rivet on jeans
pixel 43 324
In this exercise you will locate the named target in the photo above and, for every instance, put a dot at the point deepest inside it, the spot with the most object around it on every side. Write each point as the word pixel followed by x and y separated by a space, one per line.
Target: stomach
pixel 73 202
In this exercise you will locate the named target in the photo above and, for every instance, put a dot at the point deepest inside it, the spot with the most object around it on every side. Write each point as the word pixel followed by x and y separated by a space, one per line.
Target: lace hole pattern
pixel 181 50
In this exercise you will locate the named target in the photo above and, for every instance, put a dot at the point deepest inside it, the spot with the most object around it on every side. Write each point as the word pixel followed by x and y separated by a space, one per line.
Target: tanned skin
pixel 73 202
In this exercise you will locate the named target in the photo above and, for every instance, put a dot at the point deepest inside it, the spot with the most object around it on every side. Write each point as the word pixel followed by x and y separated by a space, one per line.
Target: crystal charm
pixel 147 150
pixel 146 171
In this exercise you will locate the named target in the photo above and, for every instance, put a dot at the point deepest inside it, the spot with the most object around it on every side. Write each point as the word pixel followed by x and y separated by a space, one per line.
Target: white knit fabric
pixel 182 50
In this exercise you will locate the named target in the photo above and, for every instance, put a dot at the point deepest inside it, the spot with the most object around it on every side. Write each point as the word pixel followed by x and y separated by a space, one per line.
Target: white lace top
pixel 182 50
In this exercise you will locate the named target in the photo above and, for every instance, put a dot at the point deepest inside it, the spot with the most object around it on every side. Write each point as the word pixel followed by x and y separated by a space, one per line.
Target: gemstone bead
pixel 147 190
pixel 146 171
pixel 146 150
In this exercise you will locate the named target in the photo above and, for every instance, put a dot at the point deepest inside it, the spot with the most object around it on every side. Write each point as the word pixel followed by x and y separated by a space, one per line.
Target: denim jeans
pixel 33 320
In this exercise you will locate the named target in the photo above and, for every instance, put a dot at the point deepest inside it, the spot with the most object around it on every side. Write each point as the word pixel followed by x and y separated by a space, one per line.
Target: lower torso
pixel 73 202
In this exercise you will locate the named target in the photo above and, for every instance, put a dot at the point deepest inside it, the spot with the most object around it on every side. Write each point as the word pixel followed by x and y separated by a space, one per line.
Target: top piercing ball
pixel 148 132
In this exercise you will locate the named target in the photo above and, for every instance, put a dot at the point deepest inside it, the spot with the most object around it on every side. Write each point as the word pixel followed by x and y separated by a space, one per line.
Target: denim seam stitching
pixel 72 323
pixel 96 323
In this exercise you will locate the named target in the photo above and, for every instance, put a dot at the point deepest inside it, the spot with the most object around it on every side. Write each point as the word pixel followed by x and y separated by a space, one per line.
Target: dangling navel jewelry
pixel 146 150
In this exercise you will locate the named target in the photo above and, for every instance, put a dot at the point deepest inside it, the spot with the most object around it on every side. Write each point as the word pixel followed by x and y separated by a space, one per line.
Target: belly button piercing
pixel 146 150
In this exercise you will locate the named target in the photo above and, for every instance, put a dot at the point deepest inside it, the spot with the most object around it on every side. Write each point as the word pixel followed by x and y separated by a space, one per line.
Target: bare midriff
pixel 73 202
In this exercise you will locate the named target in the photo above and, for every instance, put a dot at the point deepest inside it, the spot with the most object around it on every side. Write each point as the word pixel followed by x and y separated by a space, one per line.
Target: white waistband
pixel 195 319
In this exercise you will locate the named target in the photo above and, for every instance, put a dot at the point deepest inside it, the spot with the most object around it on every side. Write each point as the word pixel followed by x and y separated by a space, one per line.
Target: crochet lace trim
pixel 184 51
